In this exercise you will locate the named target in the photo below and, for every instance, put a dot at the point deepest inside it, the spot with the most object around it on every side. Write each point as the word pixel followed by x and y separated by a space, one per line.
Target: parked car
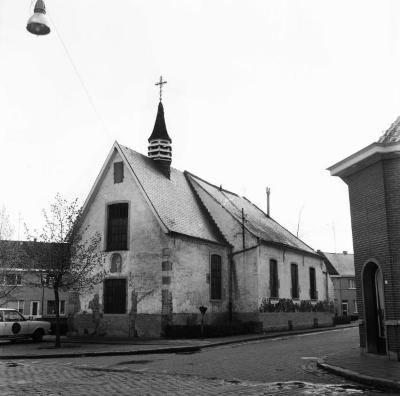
pixel 14 326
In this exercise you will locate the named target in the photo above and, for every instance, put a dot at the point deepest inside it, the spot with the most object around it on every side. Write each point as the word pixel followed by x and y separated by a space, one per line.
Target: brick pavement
pixel 39 378
pixel 365 368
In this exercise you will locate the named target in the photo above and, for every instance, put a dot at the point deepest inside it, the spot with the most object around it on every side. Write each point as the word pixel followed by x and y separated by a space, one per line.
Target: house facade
pixel 174 242
pixel 340 268
pixel 24 288
pixel 372 176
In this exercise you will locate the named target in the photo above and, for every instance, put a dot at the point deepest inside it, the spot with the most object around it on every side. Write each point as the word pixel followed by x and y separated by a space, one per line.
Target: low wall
pixel 273 321
pixel 116 325
pixel 188 319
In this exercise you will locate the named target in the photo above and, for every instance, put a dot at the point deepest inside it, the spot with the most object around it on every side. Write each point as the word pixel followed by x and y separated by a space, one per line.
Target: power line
pixel 78 75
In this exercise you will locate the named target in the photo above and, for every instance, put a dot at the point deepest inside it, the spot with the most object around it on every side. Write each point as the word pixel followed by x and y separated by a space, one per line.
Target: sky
pixel 259 93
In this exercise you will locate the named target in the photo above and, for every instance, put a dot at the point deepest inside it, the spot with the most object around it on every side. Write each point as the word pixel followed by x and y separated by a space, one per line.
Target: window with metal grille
pixel 118 172
pixel 273 279
pixel 313 284
pixel 117 227
pixel 216 277
pixel 115 296
pixel 294 271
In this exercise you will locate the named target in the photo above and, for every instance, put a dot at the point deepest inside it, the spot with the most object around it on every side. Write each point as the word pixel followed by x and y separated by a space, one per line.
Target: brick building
pixel 175 242
pixel 340 267
pixel 23 288
pixel 373 177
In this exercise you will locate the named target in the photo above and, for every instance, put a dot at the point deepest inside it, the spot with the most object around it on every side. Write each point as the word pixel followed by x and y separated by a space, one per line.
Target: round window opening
pixel 116 263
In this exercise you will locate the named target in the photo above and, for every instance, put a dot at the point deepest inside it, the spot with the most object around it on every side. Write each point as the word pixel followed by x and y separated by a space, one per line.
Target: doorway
pixel 374 304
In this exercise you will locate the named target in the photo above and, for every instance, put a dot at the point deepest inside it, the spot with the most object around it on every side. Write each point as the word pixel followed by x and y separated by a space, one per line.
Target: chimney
pixel 268 190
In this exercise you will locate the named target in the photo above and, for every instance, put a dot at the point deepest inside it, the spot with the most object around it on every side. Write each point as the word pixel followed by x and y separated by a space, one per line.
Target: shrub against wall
pixel 287 305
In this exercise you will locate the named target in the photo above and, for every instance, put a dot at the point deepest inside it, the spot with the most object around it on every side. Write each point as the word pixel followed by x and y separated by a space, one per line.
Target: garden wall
pixel 273 321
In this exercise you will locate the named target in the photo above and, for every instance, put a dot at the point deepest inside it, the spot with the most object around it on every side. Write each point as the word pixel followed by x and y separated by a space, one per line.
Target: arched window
pixel 116 263
pixel 216 277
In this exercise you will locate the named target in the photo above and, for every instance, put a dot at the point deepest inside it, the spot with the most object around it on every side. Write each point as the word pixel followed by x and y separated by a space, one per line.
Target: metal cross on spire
pixel 161 83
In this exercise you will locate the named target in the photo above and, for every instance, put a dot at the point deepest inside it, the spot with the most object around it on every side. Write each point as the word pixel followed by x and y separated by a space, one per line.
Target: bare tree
pixel 68 261
pixel 6 229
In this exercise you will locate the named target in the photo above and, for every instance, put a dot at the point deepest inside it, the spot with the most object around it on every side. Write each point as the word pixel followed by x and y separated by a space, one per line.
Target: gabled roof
pixel 23 254
pixel 392 135
pixel 257 222
pixel 173 199
pixel 387 146
pixel 160 129
pixel 339 263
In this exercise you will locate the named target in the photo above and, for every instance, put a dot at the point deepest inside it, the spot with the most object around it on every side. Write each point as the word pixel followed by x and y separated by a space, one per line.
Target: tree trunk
pixel 57 304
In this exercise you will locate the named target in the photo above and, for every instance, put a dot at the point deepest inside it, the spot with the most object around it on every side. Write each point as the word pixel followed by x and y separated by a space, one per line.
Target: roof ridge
pixel 203 205
pixel 210 184
pixel 222 206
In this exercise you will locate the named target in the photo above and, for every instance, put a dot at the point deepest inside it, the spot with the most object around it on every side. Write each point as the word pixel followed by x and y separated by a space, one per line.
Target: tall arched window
pixel 216 277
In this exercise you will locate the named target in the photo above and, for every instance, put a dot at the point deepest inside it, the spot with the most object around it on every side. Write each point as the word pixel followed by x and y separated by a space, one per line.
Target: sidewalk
pixel 84 346
pixel 365 368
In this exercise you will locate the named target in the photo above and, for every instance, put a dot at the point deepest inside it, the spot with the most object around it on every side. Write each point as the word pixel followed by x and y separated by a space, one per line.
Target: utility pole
pixel 243 230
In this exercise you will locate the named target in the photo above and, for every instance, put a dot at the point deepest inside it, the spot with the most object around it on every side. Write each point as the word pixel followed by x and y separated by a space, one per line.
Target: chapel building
pixel 174 242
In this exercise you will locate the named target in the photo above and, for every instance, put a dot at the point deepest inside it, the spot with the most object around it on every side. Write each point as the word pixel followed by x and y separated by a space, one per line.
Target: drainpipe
pixel 230 283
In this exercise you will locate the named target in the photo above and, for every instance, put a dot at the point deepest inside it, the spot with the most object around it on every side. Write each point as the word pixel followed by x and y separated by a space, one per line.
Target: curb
pixel 377 382
pixel 271 336
pixel 182 349
pixel 189 349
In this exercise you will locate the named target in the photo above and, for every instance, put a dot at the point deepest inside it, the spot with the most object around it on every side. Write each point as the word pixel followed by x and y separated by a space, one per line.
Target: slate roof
pixel 160 129
pixel 339 263
pixel 257 222
pixel 172 198
pixel 392 135
pixel 22 254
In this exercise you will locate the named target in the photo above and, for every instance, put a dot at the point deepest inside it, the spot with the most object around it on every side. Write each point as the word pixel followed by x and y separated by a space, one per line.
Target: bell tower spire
pixel 159 141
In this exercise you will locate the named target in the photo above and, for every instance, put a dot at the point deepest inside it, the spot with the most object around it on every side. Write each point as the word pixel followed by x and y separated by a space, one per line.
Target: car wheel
pixel 38 335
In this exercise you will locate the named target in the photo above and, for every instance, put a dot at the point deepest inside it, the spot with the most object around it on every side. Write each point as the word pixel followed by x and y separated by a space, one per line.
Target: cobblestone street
pixel 284 366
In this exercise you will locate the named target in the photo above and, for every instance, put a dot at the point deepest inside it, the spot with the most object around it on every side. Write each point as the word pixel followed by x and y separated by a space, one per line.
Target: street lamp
pixel 38 23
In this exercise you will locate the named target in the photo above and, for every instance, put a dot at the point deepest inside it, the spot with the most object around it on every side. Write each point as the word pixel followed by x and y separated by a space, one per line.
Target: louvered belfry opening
pixel 115 296
pixel 160 149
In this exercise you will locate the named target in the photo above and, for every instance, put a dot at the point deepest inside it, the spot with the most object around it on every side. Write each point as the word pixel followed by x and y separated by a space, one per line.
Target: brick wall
pixel 375 212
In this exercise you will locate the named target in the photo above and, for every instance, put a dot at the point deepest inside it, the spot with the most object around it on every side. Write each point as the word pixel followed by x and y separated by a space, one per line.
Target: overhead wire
pixel 80 79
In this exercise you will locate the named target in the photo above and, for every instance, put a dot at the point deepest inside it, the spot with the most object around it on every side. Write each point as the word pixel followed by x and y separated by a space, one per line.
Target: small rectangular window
pixel 313 284
pixel 12 280
pixel 273 279
pixel 355 306
pixel 51 307
pixel 294 270
pixel 216 277
pixel 352 284
pixel 118 172
pixel 34 308
pixel 21 304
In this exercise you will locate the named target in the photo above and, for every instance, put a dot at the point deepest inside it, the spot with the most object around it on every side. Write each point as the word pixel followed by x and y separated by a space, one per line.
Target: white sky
pixel 260 93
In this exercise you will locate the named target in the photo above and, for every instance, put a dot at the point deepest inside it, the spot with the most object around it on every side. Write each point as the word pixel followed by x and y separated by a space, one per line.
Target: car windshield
pixel 13 316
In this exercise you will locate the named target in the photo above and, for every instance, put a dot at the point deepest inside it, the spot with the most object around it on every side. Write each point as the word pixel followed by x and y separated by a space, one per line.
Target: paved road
pixel 283 366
